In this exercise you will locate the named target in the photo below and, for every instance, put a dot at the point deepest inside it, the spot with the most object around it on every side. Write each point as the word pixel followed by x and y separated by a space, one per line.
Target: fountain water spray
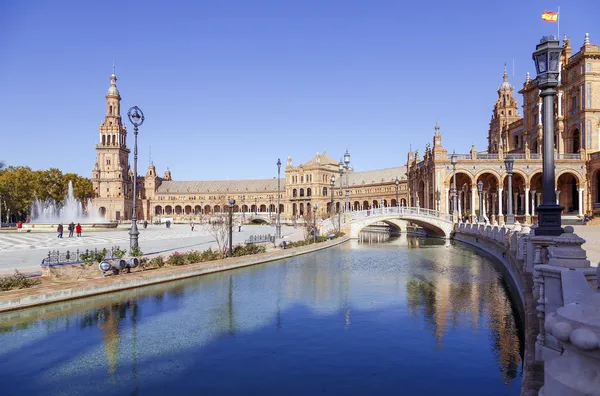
pixel 50 212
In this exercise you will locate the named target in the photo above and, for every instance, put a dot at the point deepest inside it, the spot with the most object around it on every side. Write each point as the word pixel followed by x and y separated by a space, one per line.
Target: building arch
pixel 460 173
pixel 366 205
pixel 158 210
pixel 188 209
pixel 308 192
pixel 574 173
pixel 207 209
pixel 324 191
pixel 567 194
pixel 301 192
pixel 294 193
pixel 197 209
pixel 263 208
pixel 217 209
pixel 168 209
pixel 102 211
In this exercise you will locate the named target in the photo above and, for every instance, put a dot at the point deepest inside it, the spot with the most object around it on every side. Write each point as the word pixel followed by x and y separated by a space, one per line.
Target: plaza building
pixel 576 148
pixel 302 187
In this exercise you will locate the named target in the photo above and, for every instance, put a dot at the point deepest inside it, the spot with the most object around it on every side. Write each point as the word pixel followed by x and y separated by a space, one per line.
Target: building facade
pixel 577 150
pixel 302 187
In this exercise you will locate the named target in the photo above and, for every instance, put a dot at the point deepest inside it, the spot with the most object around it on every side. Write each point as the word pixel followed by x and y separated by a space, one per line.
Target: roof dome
pixel 112 90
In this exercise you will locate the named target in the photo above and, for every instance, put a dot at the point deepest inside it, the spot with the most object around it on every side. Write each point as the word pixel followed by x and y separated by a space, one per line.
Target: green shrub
pixel 193 256
pixel 17 281
pixel 210 255
pixel 93 256
pixel 244 250
pixel 176 259
pixel 157 262
pixel 119 253
pixel 136 252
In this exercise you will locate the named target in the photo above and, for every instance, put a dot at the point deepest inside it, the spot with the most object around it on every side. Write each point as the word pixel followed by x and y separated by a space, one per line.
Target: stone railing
pixel 559 299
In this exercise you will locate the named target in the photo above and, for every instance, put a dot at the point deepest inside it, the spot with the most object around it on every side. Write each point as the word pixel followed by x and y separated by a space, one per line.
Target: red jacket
pixel 20 224
pixel 78 229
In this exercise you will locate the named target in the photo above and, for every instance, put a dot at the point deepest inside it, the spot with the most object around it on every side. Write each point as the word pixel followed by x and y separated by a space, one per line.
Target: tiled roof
pixel 222 186
pixel 320 160
pixel 261 185
pixel 377 176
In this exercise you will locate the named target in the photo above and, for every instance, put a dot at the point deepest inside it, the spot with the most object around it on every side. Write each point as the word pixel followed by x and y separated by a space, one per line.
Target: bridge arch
pixel 434 223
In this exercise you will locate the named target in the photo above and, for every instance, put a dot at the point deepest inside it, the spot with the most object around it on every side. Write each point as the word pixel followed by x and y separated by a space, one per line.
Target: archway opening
pixel 566 193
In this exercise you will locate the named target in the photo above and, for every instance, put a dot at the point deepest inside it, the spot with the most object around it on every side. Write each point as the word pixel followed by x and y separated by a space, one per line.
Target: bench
pixel 260 239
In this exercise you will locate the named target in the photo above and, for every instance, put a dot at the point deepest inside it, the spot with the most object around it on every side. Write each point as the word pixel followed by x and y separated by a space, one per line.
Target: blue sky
pixel 227 87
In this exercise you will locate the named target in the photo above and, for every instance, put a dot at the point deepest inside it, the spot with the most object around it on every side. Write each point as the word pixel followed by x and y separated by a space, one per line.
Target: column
pixel 580 201
pixel 560 94
pixel 526 201
pixel 493 203
pixel 557 197
pixel 473 200
pixel 539 198
pixel 533 202
pixel 515 204
pixel 447 200
pixel 500 190
pixel 459 197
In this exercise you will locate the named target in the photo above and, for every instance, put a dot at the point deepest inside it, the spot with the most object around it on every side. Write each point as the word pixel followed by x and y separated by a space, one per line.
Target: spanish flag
pixel 550 16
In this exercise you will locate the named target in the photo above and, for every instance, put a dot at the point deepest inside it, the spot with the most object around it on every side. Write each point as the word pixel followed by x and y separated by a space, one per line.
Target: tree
pixel 16 186
pixel 50 185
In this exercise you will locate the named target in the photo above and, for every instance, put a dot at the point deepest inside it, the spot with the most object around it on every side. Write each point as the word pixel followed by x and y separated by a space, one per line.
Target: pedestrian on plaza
pixel 192 224
pixel 240 228
pixel 71 229
pixel 78 230
pixel 145 223
pixel 19 226
pixel 59 229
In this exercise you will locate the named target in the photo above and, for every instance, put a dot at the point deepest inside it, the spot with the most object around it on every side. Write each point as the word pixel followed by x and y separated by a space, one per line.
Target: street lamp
pixel 332 183
pixel 480 190
pixel 341 168
pixel 278 226
pixel 136 117
pixel 347 163
pixel 315 222
pixel 546 57
pixel 509 163
pixel 231 203
pixel 397 183
pixel 454 200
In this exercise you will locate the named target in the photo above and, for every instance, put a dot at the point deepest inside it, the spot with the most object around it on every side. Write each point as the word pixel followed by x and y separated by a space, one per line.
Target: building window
pixel 574 104
pixel 582 96
pixel 588 96
pixel 589 67
pixel 516 141
pixel 588 134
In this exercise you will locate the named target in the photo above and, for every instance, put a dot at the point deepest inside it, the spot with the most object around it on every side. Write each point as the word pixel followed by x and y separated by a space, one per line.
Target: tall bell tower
pixel 110 177
pixel 506 111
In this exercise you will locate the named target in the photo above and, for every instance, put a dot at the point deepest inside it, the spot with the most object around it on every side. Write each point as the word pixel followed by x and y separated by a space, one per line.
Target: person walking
pixel 192 225
pixel 71 229
pixel 78 230
pixel 59 229
pixel 19 226
pixel 145 223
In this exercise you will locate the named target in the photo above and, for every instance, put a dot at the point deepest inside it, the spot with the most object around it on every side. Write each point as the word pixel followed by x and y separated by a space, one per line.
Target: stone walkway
pixel 25 251
pixel 591 234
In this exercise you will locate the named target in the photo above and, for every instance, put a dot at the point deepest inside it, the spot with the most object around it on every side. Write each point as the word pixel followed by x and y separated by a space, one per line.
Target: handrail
pixel 400 210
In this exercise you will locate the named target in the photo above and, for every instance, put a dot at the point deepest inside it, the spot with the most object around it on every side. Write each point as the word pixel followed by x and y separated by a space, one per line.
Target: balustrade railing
pixel 400 210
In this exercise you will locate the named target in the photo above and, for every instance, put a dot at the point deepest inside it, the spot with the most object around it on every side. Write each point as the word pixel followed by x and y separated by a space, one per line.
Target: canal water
pixel 382 315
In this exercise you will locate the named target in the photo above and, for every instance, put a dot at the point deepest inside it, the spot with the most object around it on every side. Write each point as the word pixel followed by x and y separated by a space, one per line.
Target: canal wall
pixel 553 283
pixel 47 294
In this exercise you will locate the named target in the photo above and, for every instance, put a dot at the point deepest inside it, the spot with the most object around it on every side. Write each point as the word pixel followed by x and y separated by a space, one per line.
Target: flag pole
pixel 558 23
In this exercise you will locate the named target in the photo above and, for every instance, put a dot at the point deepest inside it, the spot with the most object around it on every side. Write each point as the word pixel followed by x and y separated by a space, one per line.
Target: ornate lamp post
pixel 508 164
pixel 397 183
pixel 231 203
pixel 136 117
pixel 278 226
pixel 546 58
pixel 347 163
pixel 454 200
pixel 480 190
pixel 315 222
pixel 332 184
pixel 341 168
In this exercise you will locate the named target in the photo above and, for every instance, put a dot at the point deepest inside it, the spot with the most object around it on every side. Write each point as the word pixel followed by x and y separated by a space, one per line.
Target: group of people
pixel 72 228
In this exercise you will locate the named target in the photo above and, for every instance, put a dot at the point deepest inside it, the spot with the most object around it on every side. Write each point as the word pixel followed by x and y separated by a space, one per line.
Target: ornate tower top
pixel 112 90
pixel 168 175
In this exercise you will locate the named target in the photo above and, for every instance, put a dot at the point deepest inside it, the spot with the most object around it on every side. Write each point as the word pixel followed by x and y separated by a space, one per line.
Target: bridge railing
pixel 401 210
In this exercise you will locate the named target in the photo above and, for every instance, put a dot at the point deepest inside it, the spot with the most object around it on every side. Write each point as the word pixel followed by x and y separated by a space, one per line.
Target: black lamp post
pixel 509 163
pixel 332 184
pixel 347 166
pixel 480 190
pixel 341 168
pixel 454 200
pixel 136 117
pixel 315 222
pixel 547 57
pixel 278 226
pixel 397 183
pixel 231 203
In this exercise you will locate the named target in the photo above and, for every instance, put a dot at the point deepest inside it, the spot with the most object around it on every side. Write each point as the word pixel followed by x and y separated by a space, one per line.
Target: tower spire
pixel 505 77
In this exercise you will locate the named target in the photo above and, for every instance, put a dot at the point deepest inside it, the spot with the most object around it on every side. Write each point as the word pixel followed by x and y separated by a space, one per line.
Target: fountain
pixel 47 213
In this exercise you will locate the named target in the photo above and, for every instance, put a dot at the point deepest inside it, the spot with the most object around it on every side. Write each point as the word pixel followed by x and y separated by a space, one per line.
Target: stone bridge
pixel 398 217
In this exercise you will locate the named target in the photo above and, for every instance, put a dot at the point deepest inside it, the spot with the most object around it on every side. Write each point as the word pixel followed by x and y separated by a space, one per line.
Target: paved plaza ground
pixel 25 251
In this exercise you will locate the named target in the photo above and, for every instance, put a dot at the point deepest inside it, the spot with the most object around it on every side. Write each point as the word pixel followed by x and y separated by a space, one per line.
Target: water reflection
pixel 370 292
